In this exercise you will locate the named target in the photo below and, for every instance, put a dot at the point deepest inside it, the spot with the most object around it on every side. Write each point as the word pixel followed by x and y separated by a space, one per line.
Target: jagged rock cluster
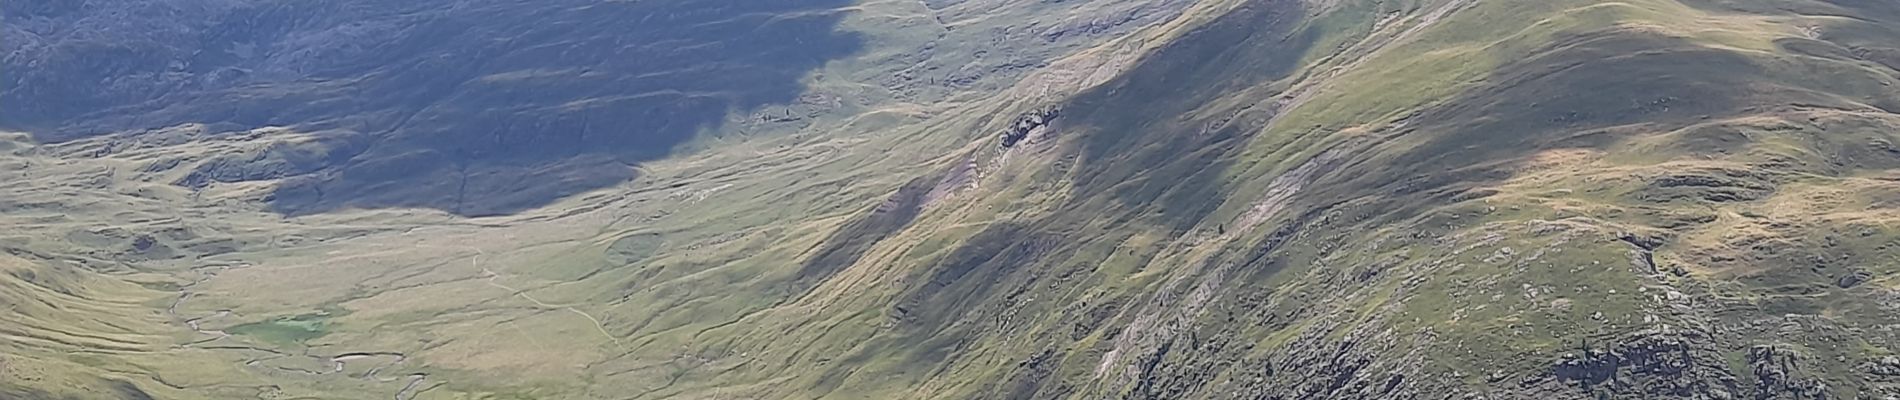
pixel 1027 123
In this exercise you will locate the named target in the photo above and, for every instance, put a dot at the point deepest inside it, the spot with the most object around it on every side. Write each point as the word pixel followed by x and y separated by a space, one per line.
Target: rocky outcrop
pixel 1854 278
pixel 1715 185
pixel 1026 124
pixel 1689 365
pixel 1643 252
pixel 1655 363
pixel 1779 374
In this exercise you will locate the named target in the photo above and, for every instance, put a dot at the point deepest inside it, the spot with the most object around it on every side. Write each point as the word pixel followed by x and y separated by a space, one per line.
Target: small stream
pixel 338 362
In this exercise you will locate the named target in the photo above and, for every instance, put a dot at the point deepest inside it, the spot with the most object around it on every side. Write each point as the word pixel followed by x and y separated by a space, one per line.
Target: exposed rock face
pixel 1027 124
pixel 1854 278
pixel 1674 364
pixel 1715 185
pixel 1779 375
pixel 1885 366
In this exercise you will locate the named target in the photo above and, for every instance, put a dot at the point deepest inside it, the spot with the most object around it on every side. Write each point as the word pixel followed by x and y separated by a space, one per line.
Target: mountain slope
pixel 1012 199
pixel 1430 204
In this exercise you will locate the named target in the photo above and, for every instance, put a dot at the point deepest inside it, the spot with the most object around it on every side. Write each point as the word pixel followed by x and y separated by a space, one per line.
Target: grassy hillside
pixel 1394 200
pixel 1214 199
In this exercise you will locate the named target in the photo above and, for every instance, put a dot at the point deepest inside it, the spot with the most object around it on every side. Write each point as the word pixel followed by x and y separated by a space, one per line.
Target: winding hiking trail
pixel 475 261
pixel 195 324
pixel 205 273
pixel 417 382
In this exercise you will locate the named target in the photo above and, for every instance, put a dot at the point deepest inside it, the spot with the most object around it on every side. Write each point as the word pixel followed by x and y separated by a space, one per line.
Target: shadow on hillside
pixel 1132 160
pixel 1555 100
pixel 1568 96
pixel 1139 164
pixel 1142 153
pixel 474 107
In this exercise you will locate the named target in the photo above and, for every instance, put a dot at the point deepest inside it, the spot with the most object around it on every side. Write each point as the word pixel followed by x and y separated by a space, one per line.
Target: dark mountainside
pixel 472 107
pixel 995 199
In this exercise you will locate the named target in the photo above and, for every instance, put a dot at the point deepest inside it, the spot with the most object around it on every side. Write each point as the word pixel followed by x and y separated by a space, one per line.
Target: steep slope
pixel 60 324
pixel 983 199
pixel 1389 200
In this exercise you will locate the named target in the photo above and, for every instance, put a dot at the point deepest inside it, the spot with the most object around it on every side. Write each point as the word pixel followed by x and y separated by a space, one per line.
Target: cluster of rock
pixel 1686 364
pixel 1027 123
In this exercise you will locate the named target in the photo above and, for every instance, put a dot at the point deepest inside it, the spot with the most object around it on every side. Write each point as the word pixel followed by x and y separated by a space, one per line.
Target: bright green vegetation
pixel 1239 199
pixel 283 331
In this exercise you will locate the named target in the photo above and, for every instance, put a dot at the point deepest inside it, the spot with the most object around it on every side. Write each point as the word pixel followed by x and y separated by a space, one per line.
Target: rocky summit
pixel 950 199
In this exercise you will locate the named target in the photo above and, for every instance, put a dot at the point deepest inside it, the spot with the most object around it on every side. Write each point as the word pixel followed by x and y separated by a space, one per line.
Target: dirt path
pixel 205 274
pixel 475 262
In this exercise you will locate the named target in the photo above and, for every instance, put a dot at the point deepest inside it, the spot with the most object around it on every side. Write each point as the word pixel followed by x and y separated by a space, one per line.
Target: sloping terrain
pixel 953 199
